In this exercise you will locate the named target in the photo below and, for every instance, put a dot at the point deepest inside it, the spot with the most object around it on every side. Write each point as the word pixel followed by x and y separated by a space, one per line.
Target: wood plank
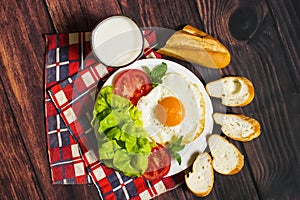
pixel 167 14
pixel 267 56
pixel 282 158
pixel 17 179
pixel 22 64
pixel 76 15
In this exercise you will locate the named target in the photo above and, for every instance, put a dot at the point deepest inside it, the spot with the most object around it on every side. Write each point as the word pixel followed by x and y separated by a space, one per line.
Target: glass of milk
pixel 117 41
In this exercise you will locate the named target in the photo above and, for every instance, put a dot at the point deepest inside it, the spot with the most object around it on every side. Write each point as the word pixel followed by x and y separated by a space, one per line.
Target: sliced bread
pixel 201 180
pixel 237 126
pixel 233 90
pixel 227 159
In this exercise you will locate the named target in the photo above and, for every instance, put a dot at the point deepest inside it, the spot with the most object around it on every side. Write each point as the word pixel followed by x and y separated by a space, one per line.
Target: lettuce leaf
pixel 122 142
pixel 122 161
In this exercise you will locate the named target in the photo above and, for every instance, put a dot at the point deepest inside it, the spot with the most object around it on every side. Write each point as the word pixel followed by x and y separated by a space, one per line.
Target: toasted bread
pixel 227 159
pixel 238 127
pixel 233 90
pixel 201 180
pixel 193 45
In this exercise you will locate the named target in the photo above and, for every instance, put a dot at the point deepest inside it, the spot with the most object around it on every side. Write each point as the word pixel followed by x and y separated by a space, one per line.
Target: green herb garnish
pixel 156 73
pixel 174 147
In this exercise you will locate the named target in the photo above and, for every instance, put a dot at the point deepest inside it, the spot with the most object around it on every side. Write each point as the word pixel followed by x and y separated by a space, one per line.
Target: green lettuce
pixel 123 144
pixel 130 164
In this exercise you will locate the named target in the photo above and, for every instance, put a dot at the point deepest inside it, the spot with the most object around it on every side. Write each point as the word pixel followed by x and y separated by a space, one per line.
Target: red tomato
pixel 159 163
pixel 132 84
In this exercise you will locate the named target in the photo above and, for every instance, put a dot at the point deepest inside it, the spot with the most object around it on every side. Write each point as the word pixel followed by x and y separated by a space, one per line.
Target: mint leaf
pixel 177 157
pixel 176 141
pixel 147 70
pixel 174 147
pixel 156 73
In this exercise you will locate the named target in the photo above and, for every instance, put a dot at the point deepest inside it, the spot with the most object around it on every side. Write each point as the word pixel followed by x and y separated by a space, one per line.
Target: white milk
pixel 117 41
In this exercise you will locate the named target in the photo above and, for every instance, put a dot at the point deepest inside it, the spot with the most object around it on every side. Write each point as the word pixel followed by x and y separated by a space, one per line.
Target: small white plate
pixel 192 149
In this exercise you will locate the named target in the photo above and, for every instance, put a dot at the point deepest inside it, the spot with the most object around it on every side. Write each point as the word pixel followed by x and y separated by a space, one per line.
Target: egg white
pixel 178 86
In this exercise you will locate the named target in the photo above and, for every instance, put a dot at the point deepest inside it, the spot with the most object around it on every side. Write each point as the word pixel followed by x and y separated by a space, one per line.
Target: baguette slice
pixel 201 180
pixel 233 90
pixel 193 45
pixel 238 127
pixel 227 159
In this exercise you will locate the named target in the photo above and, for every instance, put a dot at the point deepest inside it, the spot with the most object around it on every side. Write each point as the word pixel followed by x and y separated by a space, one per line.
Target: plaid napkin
pixel 72 75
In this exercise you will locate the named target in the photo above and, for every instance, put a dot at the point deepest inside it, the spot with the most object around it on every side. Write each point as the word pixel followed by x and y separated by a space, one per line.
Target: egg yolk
pixel 169 111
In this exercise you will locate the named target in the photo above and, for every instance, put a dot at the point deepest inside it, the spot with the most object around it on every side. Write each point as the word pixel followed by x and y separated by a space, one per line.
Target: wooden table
pixel 262 36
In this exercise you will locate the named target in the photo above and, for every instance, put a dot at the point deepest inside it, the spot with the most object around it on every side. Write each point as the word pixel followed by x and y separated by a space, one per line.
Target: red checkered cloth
pixel 72 76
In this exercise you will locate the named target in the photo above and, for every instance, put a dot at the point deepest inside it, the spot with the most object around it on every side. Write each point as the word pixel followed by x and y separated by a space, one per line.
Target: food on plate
pixel 159 163
pixel 122 142
pixel 173 109
pixel 233 90
pixel 227 159
pixel 237 126
pixel 201 180
pixel 193 45
pixel 144 117
pixel 132 84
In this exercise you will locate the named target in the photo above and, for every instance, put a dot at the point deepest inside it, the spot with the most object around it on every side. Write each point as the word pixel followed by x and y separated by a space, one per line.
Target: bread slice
pixel 201 180
pixel 227 159
pixel 193 45
pixel 238 127
pixel 233 90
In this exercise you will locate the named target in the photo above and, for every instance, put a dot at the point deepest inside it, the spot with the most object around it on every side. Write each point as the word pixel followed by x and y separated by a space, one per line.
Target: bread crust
pixel 240 164
pixel 247 82
pixel 207 192
pixel 193 45
pixel 255 124
pixel 250 91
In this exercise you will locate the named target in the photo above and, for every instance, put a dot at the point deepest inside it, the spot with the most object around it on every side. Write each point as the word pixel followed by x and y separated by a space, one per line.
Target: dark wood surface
pixel 262 36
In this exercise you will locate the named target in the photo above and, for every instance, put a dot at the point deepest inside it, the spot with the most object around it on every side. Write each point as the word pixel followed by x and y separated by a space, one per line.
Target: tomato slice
pixel 159 163
pixel 132 84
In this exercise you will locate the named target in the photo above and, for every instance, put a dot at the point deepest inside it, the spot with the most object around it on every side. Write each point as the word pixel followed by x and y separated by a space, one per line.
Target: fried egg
pixel 174 108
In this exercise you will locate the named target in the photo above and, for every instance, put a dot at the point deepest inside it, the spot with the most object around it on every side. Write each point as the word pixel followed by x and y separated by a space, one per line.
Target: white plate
pixel 192 149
